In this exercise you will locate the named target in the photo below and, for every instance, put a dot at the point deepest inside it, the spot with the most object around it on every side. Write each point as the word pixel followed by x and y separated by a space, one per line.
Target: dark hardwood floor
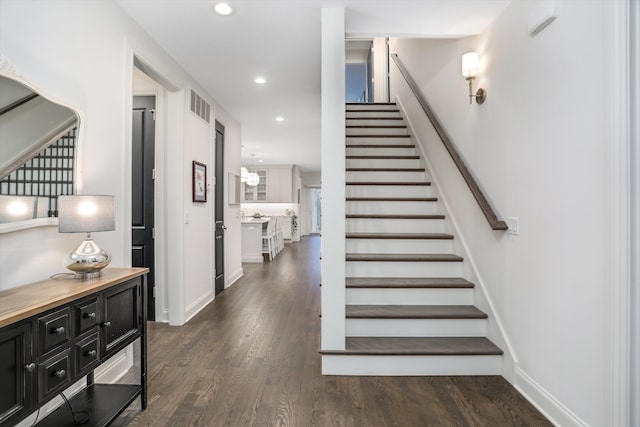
pixel 251 358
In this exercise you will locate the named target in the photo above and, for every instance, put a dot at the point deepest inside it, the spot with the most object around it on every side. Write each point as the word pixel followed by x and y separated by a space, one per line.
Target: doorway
pixel 358 71
pixel 142 193
pixel 316 210
pixel 219 209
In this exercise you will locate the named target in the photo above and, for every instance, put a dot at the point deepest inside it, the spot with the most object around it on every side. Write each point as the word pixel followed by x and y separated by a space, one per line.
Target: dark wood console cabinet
pixel 57 331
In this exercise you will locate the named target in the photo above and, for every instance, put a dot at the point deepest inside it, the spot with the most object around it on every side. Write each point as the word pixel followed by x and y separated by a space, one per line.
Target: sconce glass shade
pixel 86 214
pixel 243 174
pixel 470 61
pixel 253 179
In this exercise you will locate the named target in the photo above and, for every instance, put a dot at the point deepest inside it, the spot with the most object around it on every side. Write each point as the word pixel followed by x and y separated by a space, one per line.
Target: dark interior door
pixel 219 209
pixel 142 168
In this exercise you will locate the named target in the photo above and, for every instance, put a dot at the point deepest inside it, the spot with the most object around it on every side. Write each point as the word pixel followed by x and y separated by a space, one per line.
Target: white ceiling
pixel 280 40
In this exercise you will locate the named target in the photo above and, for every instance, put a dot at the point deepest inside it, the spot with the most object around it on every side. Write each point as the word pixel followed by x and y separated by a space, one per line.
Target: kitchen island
pixel 252 238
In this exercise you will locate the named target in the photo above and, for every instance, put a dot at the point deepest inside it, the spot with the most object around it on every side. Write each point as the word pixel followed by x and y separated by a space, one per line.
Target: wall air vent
pixel 200 107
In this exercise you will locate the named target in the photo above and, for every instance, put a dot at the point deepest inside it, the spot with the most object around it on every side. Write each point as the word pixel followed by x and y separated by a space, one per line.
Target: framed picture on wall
pixel 199 182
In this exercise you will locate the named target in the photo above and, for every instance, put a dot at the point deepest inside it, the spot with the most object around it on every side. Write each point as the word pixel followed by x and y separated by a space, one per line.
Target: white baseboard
pixel 555 411
pixel 234 277
pixel 195 307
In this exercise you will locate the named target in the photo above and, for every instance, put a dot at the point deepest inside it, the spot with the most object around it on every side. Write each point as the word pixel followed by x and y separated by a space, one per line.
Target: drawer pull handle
pixel 58 330
pixel 60 374
pixel 30 367
pixel 106 324
pixel 89 316
pixel 91 353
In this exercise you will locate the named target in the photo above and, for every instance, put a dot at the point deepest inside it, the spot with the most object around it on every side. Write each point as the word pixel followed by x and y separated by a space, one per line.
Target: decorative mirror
pixel 38 144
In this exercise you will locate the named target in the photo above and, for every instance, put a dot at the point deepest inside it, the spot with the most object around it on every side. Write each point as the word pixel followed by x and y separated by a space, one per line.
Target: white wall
pixel 539 148
pixel 81 53
pixel 333 177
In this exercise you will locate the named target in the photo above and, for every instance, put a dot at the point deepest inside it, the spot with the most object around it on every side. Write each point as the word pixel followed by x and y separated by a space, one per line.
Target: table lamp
pixel 86 214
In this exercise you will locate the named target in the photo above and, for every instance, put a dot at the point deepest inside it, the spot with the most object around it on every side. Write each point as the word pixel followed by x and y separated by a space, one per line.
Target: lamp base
pixel 87 260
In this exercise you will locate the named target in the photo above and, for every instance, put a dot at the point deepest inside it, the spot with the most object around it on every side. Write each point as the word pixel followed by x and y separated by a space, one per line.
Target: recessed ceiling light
pixel 260 80
pixel 260 161
pixel 280 119
pixel 223 9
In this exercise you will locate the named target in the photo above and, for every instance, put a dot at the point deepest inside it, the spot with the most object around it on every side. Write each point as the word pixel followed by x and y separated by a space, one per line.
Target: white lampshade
pixel 253 179
pixel 470 61
pixel 243 174
pixel 85 214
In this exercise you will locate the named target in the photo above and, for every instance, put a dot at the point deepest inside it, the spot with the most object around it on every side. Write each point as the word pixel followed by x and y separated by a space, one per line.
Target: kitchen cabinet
pixel 57 331
pixel 256 193
pixel 276 185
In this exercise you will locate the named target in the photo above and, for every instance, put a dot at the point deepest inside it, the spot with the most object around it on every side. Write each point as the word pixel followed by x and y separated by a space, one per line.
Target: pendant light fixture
pixel 253 178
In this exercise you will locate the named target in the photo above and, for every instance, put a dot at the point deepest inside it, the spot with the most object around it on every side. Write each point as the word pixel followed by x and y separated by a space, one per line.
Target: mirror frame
pixel 7 71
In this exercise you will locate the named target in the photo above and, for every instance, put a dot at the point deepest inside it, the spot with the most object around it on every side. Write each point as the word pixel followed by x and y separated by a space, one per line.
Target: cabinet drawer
pixel 86 315
pixel 54 374
pixel 53 329
pixel 87 353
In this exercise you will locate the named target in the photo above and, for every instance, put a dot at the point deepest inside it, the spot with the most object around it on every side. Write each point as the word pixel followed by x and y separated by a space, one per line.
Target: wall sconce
pixel 470 62
pixel 86 214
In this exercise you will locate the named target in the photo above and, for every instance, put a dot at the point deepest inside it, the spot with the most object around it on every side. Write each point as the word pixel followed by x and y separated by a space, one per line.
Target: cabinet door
pixel 122 314
pixel 261 188
pixel 17 372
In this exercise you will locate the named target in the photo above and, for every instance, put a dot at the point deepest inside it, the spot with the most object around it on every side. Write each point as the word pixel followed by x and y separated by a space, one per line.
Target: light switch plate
pixel 514 226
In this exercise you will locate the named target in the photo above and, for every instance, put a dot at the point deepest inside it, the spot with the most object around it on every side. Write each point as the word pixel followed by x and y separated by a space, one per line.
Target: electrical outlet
pixel 514 226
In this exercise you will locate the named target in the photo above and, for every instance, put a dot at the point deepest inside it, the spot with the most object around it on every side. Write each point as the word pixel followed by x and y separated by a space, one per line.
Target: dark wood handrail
pixel 494 221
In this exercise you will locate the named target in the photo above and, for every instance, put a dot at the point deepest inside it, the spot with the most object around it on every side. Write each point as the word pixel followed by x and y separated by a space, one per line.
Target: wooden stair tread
pixel 401 236
pixel 391 199
pixel 418 346
pixel 426 184
pixel 408 282
pixel 393 216
pixel 414 312
pixel 404 257
pixel 383 157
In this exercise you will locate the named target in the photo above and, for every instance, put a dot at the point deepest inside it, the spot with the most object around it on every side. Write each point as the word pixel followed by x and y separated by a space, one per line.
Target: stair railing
pixel 487 209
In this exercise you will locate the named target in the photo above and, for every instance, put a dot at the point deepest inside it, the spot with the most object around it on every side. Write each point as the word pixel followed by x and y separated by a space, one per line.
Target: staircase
pixel 409 310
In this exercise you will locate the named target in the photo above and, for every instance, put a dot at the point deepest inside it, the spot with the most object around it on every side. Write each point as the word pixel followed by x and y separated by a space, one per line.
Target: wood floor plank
pixel 251 358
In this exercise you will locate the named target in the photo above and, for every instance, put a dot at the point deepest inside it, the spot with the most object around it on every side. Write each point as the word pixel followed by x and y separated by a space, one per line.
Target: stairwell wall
pixel 538 146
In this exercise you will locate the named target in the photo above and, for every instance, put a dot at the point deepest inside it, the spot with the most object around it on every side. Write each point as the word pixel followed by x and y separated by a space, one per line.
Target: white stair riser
pixel 388 191
pixel 398 246
pixel 409 296
pixel 372 114
pixel 416 327
pixel 411 365
pixel 374 121
pixel 377 131
pixel 403 269
pixel 390 176
pixel 365 225
pixel 384 163
pixel 365 106
pixel 372 140
pixel 409 208
pixel 381 151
